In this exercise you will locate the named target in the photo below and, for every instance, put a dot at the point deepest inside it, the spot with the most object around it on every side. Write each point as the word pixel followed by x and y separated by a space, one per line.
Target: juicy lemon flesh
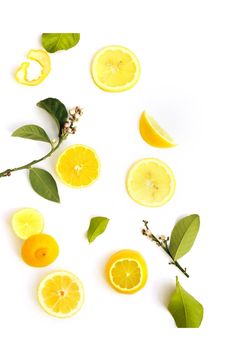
pixel 40 250
pixel 78 166
pixel 153 134
pixel 27 222
pixel 126 274
pixel 115 69
pixel 61 294
pixel 126 271
pixel 150 183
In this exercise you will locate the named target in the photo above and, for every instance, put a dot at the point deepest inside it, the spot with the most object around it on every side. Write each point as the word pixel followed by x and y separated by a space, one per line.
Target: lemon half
pixel 126 271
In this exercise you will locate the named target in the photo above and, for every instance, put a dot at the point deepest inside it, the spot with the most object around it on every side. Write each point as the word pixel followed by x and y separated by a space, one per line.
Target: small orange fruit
pixel 39 250
pixel 126 271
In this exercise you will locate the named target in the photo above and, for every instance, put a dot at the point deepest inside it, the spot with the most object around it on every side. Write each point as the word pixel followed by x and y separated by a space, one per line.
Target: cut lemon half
pixel 115 69
pixel 153 134
pixel 126 271
pixel 27 222
pixel 61 294
pixel 78 166
pixel 150 182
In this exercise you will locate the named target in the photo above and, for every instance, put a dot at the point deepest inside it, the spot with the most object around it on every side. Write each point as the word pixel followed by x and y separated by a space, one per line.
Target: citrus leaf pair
pixel 183 236
pixel 185 309
pixel 53 42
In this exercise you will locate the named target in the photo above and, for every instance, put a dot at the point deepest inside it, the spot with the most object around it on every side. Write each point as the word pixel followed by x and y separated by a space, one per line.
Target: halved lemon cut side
pixel 126 271
pixel 61 294
pixel 153 134
pixel 150 182
pixel 78 166
pixel 115 69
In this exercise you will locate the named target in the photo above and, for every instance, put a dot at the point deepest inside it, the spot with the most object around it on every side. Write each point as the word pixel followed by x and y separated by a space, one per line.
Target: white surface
pixel 188 59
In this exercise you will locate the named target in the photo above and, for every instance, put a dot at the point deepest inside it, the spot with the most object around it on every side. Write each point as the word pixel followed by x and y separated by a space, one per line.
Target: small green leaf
pixel 44 184
pixel 185 309
pixel 183 235
pixel 97 226
pixel 56 109
pixel 33 132
pixel 53 42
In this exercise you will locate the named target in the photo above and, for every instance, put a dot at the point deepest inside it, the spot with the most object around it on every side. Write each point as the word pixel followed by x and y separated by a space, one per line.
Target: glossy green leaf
pixel 33 132
pixel 183 235
pixel 53 42
pixel 97 226
pixel 185 309
pixel 44 184
pixel 56 109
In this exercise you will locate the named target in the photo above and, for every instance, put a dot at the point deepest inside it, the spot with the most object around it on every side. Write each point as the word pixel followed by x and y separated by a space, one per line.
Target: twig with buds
pixel 162 242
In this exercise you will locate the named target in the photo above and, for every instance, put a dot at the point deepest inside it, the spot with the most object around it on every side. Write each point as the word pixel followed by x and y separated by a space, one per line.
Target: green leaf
pixel 53 42
pixel 185 309
pixel 56 109
pixel 97 226
pixel 33 132
pixel 183 235
pixel 44 184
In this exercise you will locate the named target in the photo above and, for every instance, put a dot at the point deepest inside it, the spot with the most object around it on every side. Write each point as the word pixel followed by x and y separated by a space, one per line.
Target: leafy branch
pixel 42 181
pixel 181 241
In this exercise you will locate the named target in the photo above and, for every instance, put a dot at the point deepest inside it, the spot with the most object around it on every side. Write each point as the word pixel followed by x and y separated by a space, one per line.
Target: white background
pixel 188 83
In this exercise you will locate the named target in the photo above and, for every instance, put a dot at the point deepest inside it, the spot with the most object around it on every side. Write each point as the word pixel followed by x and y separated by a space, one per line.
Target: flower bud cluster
pixel 74 116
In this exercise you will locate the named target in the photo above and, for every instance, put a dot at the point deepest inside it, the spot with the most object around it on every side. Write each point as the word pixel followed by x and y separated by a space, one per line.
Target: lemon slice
pixel 78 166
pixel 27 222
pixel 150 182
pixel 153 134
pixel 115 69
pixel 61 294
pixel 126 271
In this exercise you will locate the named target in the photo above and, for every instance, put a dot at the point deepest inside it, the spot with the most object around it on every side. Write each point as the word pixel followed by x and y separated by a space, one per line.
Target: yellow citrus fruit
pixel 153 134
pixel 27 222
pixel 78 166
pixel 150 182
pixel 126 271
pixel 39 250
pixel 61 294
pixel 115 69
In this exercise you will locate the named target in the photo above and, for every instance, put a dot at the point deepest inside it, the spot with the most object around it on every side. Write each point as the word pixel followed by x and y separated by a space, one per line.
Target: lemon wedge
pixel 153 134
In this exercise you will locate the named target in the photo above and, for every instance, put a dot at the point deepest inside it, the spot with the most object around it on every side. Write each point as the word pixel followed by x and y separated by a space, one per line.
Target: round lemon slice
pixel 115 69
pixel 78 166
pixel 27 222
pixel 126 271
pixel 61 294
pixel 153 134
pixel 150 182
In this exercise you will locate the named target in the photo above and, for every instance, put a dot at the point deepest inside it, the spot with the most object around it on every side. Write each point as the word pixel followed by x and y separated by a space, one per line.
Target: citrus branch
pixel 162 242
pixel 8 172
